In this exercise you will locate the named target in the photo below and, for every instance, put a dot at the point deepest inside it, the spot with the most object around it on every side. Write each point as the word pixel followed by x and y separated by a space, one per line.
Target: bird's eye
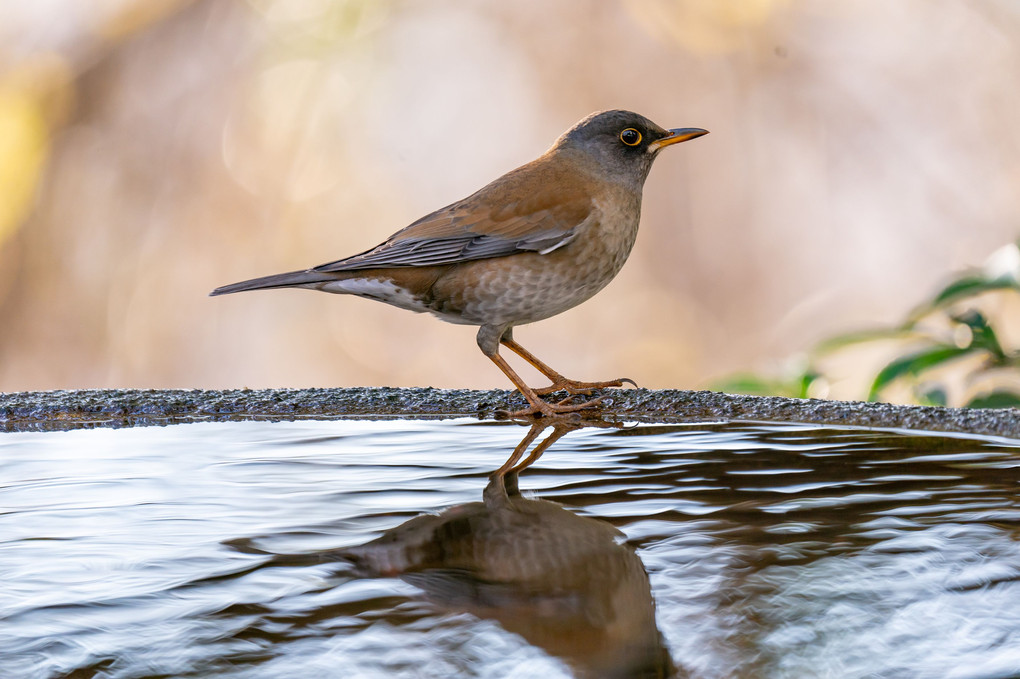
pixel 630 137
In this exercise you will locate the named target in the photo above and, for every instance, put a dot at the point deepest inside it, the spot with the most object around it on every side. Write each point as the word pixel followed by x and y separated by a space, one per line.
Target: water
pixel 731 550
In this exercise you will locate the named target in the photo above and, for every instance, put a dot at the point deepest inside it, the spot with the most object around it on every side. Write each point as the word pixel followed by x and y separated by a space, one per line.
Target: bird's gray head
pixel 622 144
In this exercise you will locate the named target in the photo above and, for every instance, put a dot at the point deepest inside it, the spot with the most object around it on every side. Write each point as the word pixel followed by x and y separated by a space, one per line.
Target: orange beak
pixel 676 136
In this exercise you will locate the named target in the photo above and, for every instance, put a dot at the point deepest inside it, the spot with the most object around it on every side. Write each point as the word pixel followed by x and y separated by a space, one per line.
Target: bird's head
pixel 621 145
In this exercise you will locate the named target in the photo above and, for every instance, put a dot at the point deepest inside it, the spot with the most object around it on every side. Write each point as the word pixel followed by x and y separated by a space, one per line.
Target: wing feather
pixel 532 209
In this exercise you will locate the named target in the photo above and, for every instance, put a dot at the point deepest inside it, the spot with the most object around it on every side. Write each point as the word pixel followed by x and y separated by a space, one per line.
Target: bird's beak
pixel 676 136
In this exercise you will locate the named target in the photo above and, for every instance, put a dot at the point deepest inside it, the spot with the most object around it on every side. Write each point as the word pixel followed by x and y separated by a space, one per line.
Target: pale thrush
pixel 539 240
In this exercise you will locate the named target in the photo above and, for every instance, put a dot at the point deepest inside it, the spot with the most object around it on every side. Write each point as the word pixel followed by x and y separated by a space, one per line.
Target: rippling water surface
pixel 292 549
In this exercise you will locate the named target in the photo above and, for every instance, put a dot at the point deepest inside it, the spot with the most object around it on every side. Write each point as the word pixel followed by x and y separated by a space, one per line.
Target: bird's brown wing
pixel 532 209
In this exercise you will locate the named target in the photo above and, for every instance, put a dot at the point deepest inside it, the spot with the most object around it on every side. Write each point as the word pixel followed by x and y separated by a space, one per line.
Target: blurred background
pixel 151 150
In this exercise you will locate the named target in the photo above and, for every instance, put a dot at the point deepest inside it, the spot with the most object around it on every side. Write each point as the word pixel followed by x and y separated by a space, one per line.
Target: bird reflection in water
pixel 568 584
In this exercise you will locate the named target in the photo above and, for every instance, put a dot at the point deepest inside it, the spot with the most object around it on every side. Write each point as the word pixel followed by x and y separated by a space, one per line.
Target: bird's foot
pixel 577 387
pixel 540 408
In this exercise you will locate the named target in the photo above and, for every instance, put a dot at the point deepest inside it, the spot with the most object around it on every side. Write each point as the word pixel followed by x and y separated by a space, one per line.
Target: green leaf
pixel 915 363
pixel 805 382
pixel 983 335
pixel 996 399
pixel 970 285
pixel 755 385
pixel 932 396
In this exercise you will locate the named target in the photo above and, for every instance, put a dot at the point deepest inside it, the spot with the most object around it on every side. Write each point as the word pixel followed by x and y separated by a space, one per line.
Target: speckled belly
pixel 525 288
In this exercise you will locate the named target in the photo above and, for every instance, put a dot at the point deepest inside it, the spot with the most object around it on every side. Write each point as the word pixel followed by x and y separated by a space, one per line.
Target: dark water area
pixel 361 549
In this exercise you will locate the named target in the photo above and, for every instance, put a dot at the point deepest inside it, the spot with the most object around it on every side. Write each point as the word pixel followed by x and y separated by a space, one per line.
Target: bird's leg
pixel 497 492
pixel 503 482
pixel 488 342
pixel 538 407
pixel 559 382
pixel 560 429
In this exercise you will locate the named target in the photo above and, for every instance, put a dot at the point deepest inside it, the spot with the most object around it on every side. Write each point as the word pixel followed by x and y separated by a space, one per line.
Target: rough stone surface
pixel 57 410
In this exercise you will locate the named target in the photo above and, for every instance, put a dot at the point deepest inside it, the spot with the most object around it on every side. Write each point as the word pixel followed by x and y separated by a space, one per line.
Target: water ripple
pixel 750 550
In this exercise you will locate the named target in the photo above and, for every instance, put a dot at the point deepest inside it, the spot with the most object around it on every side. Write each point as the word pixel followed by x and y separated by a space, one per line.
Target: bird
pixel 568 584
pixel 533 243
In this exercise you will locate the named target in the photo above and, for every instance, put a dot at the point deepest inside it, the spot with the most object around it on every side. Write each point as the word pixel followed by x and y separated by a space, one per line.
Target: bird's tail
pixel 291 279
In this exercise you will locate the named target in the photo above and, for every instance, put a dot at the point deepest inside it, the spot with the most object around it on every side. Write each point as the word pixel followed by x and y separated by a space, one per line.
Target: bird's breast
pixel 528 287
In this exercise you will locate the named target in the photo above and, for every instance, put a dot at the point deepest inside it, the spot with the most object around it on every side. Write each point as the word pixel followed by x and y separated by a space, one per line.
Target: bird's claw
pixel 575 387
pixel 543 409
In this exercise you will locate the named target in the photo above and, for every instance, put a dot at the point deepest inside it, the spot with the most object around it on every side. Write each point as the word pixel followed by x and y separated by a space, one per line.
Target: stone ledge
pixel 59 410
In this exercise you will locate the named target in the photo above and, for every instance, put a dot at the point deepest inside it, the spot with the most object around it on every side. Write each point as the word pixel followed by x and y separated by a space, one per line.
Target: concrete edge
pixel 62 410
